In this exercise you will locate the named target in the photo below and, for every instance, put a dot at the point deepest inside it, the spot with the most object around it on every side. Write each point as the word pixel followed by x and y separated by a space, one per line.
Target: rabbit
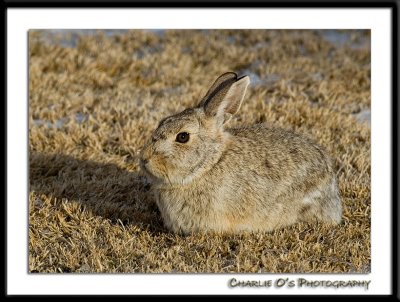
pixel 207 177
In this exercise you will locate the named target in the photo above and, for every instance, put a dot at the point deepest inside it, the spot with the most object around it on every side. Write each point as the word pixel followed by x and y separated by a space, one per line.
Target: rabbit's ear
pixel 226 78
pixel 226 99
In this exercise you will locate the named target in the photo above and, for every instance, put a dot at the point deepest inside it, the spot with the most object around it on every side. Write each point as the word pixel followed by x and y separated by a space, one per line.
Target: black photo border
pixel 393 5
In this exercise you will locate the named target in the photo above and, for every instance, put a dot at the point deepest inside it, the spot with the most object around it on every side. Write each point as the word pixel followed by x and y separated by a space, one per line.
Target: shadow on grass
pixel 104 189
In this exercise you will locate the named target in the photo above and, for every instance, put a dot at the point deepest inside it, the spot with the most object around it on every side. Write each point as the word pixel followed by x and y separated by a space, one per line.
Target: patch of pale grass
pixel 92 107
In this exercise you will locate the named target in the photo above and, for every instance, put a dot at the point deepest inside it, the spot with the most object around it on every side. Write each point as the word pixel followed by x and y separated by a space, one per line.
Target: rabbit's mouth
pixel 144 165
pixel 159 177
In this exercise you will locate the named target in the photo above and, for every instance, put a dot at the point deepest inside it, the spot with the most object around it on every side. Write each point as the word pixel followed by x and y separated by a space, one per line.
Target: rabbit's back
pixel 279 153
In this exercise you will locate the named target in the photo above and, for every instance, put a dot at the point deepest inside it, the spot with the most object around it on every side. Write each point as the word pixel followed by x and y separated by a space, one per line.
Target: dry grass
pixel 92 106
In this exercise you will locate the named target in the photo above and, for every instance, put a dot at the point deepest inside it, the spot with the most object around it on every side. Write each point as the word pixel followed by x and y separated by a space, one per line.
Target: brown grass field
pixel 95 97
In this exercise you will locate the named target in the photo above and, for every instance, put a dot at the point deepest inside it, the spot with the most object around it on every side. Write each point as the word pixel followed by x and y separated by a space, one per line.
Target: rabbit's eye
pixel 182 137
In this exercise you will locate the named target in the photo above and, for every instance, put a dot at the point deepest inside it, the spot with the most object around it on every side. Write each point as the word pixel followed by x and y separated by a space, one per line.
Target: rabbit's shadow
pixel 106 190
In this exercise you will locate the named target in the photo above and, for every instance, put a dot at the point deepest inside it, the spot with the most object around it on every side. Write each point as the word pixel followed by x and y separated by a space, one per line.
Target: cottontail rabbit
pixel 210 178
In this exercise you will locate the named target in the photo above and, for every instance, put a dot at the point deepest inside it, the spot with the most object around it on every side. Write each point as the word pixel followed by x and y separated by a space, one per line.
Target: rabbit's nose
pixel 145 156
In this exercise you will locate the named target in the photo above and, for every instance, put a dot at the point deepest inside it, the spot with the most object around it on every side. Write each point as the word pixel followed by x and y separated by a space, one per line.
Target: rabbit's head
pixel 187 144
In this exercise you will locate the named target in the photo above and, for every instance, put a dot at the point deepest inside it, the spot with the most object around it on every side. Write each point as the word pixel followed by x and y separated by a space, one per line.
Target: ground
pixel 96 96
